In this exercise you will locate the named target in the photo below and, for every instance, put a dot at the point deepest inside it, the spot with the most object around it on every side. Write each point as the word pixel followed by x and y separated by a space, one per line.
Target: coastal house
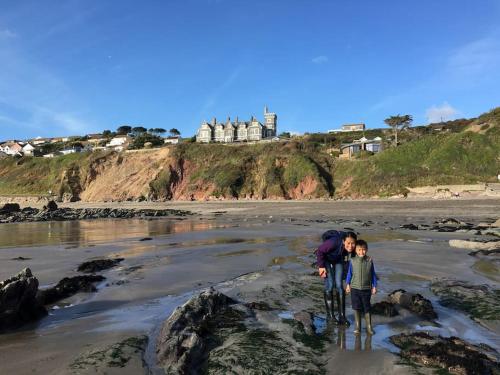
pixel 71 150
pixel 349 128
pixel 238 131
pixel 172 140
pixel 119 143
pixel 348 150
pixel 96 139
pixel 28 150
pixel 11 148
pixel 39 141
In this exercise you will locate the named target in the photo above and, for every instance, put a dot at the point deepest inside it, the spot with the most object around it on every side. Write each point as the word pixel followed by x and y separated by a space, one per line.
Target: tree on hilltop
pixel 123 130
pixel 398 123
pixel 174 132
pixel 139 130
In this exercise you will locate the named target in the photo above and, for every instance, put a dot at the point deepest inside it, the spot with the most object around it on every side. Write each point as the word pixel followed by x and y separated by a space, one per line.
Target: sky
pixel 74 67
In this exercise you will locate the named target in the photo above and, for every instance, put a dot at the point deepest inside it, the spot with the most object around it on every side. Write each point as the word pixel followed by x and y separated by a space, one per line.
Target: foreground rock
pixel 413 302
pixel 449 354
pixel 182 345
pixel 126 355
pixel 481 302
pixel 18 303
pixel 51 212
pixel 68 287
pixel 98 265
pixel 384 308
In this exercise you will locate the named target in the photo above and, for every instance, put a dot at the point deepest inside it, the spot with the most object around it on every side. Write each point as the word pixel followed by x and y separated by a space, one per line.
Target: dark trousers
pixel 360 299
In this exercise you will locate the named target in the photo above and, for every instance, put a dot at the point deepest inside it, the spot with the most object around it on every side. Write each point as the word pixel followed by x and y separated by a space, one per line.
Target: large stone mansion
pixel 238 131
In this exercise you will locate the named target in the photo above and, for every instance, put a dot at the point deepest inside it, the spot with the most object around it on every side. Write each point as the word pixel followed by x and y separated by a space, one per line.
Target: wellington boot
pixel 368 321
pixel 329 307
pixel 357 322
pixel 332 307
pixel 341 308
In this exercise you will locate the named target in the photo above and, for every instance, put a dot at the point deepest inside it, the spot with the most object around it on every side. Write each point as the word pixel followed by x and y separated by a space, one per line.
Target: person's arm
pixel 348 278
pixel 374 279
pixel 321 257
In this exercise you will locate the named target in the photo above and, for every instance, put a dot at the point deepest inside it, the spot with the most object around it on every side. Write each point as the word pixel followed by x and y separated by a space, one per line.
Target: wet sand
pixel 270 243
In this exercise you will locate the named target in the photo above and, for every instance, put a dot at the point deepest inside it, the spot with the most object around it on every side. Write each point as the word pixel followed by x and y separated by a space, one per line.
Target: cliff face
pixel 185 172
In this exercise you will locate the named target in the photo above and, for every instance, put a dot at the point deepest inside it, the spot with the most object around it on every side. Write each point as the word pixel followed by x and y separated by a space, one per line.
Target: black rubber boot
pixel 341 307
pixel 329 307
pixel 333 296
pixel 357 322
pixel 368 321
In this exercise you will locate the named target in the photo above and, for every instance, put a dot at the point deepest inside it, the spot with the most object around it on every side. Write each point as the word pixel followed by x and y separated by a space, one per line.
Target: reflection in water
pixel 84 232
pixel 368 343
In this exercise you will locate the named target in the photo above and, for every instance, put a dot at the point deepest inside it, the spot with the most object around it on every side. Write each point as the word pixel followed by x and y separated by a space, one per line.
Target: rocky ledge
pixel 11 213
pixel 451 354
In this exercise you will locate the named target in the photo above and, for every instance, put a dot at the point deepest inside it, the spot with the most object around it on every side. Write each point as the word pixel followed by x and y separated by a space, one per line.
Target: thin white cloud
pixel 320 59
pixel 213 97
pixel 475 60
pixel 444 112
pixel 34 98
pixel 7 34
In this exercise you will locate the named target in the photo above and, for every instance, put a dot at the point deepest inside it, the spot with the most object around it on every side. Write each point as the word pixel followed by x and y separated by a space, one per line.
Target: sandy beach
pixel 249 250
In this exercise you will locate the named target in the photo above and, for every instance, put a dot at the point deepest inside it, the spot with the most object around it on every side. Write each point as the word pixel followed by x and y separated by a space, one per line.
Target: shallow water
pixel 183 257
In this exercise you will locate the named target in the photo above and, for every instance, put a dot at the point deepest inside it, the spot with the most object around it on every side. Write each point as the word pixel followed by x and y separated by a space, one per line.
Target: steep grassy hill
pixel 433 159
pixel 299 169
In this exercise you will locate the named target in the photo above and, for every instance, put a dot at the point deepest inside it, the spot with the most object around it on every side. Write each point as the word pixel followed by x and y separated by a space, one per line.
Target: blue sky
pixel 80 66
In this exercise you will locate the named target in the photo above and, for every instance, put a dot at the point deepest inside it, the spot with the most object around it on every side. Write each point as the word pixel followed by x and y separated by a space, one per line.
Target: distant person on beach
pixel 361 283
pixel 330 255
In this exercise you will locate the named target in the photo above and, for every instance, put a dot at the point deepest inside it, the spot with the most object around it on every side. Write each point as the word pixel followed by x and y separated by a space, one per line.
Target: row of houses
pixel 91 142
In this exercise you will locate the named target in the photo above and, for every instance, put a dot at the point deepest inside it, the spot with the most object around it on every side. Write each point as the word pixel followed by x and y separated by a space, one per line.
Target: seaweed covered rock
pixel 384 308
pixel 182 343
pixel 9 208
pixel 413 302
pixel 481 302
pixel 97 265
pixel 67 287
pixel 451 354
pixel 18 303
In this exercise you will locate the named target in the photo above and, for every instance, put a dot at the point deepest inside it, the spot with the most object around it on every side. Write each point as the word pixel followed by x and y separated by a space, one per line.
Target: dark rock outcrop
pixel 413 302
pixel 51 212
pixel 182 346
pixel 51 206
pixel 9 208
pixel 384 308
pixel 18 303
pixel 67 287
pixel 451 354
pixel 98 265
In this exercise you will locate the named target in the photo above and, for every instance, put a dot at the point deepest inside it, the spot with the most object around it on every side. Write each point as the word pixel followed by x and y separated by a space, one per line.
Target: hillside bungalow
pixel 173 140
pixel 95 139
pixel 348 150
pixel 349 128
pixel 119 143
pixel 39 141
pixel 11 148
pixel 28 150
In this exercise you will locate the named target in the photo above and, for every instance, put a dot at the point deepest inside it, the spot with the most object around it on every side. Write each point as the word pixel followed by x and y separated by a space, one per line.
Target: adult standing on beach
pixel 330 260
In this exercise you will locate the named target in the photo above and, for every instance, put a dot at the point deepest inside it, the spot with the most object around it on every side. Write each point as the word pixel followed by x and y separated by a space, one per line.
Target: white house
pixel 118 143
pixel 11 148
pixel 173 140
pixel 28 149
